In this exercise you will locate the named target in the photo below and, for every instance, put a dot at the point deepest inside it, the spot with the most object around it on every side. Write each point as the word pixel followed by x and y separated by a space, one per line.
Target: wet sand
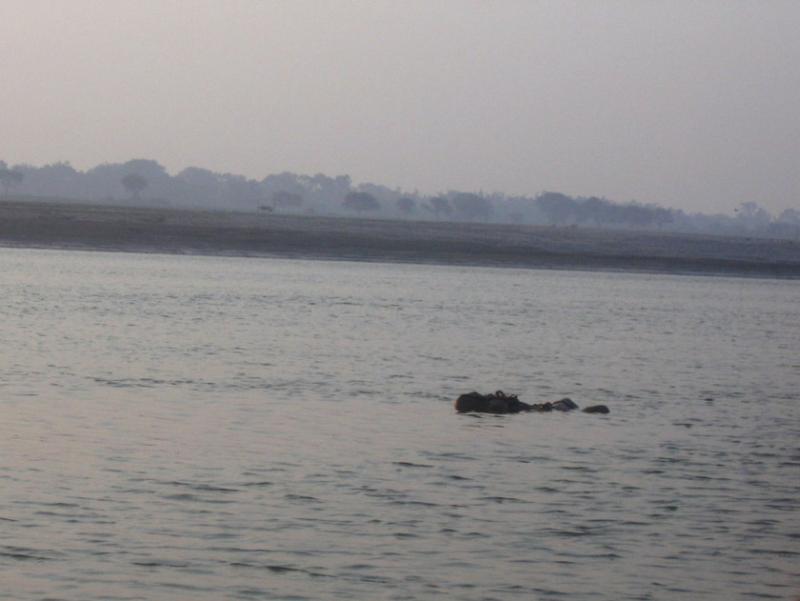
pixel 108 228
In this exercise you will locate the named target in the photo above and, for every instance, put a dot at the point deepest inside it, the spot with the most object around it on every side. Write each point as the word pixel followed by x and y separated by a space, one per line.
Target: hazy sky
pixel 694 105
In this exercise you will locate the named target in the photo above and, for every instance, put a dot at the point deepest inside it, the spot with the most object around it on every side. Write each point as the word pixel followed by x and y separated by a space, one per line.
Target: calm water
pixel 179 428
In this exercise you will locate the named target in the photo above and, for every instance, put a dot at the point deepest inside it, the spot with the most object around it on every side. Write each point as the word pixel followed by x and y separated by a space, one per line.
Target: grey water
pixel 182 427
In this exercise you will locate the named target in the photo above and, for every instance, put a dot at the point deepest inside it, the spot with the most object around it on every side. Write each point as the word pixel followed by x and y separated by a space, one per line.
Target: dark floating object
pixel 565 404
pixel 500 402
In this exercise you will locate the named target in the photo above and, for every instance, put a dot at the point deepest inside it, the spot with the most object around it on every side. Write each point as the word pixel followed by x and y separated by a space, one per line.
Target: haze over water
pixel 224 428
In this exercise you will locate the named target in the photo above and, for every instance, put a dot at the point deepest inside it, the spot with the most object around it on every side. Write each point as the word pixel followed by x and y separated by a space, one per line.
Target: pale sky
pixel 693 105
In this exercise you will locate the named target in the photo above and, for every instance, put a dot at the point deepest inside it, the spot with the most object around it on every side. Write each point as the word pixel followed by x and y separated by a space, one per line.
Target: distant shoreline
pixel 26 224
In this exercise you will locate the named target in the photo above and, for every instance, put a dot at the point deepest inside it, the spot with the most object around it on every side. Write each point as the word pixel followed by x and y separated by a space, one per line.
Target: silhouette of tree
pixel 631 214
pixel 286 181
pixel 329 188
pixel 9 178
pixel 286 200
pixel 752 216
pixel 406 205
pixel 662 217
pixel 557 207
pixel 134 184
pixel 199 178
pixel 471 206
pixel 591 210
pixel 787 224
pixel 240 192
pixel 791 216
pixel 321 194
pixel 439 206
pixel 361 201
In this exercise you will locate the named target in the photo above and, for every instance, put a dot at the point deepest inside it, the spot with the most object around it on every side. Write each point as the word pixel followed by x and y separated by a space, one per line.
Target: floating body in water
pixel 500 402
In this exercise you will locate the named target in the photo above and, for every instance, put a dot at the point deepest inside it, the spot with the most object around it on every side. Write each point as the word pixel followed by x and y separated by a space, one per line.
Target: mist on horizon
pixel 687 105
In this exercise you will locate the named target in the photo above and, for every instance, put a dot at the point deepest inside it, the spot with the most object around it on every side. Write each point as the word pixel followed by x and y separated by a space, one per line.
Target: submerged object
pixel 565 404
pixel 499 402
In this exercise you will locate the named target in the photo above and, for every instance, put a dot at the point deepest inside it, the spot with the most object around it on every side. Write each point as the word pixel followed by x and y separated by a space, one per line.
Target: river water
pixel 177 427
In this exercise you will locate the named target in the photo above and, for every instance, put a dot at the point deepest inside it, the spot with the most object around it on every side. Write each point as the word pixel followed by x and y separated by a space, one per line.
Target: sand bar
pixel 35 224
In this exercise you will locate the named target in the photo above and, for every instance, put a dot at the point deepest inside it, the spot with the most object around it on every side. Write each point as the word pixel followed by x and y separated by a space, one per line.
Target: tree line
pixel 143 182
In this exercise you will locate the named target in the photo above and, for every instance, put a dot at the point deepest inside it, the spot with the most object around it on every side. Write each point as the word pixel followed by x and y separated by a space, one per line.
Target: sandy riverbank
pixel 96 227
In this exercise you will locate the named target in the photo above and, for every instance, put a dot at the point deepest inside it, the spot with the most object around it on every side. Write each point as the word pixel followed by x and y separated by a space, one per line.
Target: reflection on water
pixel 211 428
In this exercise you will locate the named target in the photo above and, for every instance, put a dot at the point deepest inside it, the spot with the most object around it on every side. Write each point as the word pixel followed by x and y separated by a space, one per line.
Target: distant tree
pixel 361 202
pixel 286 200
pixel 384 195
pixel 439 206
pixel 9 178
pixel 790 216
pixel 147 168
pixel 752 216
pixel 198 177
pixel 591 210
pixel 329 189
pixel 240 192
pixel 635 215
pixel 787 224
pixel 662 217
pixel 134 184
pixel 286 181
pixel 196 186
pixel 558 208
pixel 406 205
pixel 471 206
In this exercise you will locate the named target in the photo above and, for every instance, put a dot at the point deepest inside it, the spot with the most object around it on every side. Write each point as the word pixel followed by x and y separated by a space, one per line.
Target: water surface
pixel 223 428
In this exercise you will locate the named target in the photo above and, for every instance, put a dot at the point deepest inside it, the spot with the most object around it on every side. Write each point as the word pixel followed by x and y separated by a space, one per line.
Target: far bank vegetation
pixel 143 182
